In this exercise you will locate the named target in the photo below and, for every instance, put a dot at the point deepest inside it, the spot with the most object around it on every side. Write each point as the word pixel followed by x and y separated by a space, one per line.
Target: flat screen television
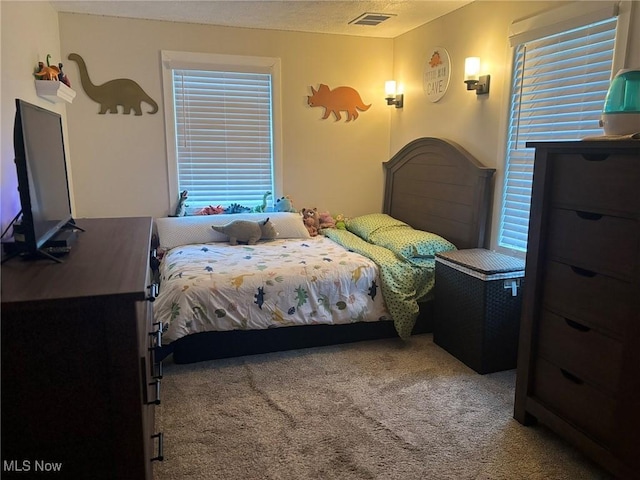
pixel 42 175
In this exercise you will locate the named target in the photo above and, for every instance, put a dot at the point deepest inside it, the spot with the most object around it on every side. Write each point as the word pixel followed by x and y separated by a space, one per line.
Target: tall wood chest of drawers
pixel 78 366
pixel 579 348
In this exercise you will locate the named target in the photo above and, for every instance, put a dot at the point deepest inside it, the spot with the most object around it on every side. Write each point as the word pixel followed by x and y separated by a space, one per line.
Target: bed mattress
pixel 218 287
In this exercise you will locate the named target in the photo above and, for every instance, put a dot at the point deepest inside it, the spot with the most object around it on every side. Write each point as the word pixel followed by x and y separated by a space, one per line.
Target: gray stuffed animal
pixel 246 231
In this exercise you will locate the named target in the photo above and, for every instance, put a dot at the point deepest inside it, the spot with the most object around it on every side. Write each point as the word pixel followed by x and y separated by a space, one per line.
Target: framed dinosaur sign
pixel 122 92
pixel 437 72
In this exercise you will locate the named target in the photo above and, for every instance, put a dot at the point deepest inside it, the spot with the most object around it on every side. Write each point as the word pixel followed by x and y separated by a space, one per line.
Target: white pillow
pixel 175 231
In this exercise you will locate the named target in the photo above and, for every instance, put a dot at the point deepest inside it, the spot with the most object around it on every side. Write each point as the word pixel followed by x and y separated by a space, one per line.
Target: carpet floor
pixel 384 409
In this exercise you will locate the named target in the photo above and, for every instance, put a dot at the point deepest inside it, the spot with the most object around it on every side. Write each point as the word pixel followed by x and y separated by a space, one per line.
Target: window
pixel 221 136
pixel 560 81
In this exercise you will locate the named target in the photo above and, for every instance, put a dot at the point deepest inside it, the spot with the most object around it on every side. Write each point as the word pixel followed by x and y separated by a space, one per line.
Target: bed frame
pixel 432 184
pixel 436 185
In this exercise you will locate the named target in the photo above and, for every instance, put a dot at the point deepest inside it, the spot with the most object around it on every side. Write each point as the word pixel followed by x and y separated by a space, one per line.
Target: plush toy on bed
pixel 341 222
pixel 246 231
pixel 311 220
pixel 284 204
pixel 326 220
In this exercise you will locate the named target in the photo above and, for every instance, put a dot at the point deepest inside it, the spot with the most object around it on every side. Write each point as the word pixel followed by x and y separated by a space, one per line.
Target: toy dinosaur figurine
pixel 63 77
pixel 181 208
pixel 48 72
pixel 236 208
pixel 210 210
pixel 262 207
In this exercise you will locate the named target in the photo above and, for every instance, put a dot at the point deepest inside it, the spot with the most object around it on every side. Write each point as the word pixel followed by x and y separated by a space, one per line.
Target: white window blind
pixel 224 136
pixel 558 92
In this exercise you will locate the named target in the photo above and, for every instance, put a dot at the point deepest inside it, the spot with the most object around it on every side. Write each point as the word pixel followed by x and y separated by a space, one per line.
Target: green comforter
pixel 403 282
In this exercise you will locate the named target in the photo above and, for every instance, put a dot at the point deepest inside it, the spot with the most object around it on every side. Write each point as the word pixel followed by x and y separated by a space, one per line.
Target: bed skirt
pixel 235 343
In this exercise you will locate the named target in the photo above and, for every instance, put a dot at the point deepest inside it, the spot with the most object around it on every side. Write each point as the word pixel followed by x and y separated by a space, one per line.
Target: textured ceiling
pixel 319 16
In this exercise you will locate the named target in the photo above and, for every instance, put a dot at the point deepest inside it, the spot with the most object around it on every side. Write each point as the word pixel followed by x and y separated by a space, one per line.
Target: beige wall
pixel 29 32
pixel 477 123
pixel 478 29
pixel 119 161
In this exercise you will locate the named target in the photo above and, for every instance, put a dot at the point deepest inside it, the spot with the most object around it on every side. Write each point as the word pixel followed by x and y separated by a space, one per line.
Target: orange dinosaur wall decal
pixel 339 99
pixel 121 91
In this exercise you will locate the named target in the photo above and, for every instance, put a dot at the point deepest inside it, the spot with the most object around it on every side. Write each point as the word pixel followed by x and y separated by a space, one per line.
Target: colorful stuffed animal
pixel 309 224
pixel 210 210
pixel 326 220
pixel 246 231
pixel 341 222
pixel 311 220
pixel 284 204
pixel 236 208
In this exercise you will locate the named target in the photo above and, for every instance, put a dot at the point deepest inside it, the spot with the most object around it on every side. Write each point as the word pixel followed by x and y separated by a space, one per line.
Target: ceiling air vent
pixel 371 19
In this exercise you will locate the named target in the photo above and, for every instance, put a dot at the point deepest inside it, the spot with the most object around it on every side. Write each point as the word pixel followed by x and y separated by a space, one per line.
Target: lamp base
pixel 398 100
pixel 481 86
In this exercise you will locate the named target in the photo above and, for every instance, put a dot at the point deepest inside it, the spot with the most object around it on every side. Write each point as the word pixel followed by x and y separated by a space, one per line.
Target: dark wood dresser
pixel 78 375
pixel 579 348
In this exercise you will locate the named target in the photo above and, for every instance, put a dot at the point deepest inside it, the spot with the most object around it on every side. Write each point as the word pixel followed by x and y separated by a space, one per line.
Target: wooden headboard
pixel 436 185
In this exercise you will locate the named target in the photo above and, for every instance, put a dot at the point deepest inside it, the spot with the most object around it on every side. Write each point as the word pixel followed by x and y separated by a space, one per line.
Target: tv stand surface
pixel 54 248
pixel 12 250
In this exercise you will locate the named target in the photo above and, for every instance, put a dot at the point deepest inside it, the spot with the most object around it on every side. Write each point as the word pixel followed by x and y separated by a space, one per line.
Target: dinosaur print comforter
pixel 215 286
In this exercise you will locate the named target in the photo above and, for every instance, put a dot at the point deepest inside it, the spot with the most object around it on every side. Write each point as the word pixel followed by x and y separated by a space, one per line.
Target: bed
pixel 297 291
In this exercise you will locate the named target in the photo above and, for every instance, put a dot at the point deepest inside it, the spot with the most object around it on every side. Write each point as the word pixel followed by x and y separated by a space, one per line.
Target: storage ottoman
pixel 478 297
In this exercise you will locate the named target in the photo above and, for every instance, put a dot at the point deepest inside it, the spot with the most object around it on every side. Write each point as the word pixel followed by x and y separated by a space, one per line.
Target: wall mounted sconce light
pixel 391 96
pixel 472 77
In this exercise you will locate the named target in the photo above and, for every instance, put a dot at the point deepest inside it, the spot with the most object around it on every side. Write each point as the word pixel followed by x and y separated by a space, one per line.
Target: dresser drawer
pixel 596 300
pixel 582 350
pixel 600 243
pixel 578 402
pixel 598 182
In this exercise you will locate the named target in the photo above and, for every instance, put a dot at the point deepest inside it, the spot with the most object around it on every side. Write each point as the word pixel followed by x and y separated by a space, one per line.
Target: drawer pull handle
pixel 155 383
pixel 153 292
pixel 588 215
pixel 158 334
pixel 577 326
pixel 160 457
pixel 571 377
pixel 158 367
pixel 595 157
pixel 583 272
